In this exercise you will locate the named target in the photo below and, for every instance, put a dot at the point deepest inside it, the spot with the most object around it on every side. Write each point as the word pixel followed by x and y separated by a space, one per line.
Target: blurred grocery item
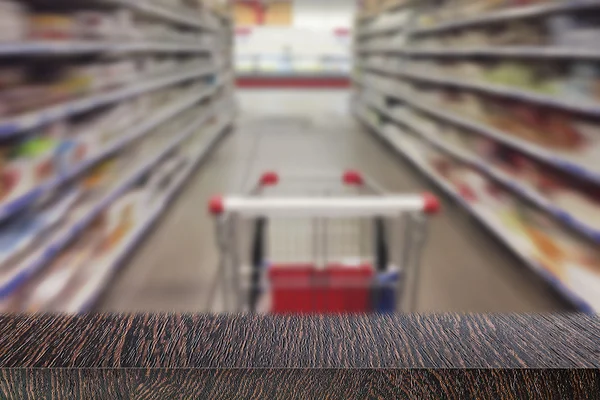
pixel 13 21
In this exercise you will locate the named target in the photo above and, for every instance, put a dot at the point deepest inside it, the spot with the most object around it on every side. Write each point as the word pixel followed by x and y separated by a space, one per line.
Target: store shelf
pixel 556 160
pixel 582 107
pixel 537 152
pixel 484 219
pixel 145 6
pixel 41 221
pixel 534 52
pixel 578 285
pixel 390 6
pixel 14 279
pixel 15 205
pixel 74 47
pixel 366 33
pixel 511 14
pixel 510 182
pixel 12 126
pixel 85 299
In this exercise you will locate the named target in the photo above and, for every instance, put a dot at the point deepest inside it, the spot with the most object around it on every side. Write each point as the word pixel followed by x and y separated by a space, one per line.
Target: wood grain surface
pixel 249 341
pixel 297 384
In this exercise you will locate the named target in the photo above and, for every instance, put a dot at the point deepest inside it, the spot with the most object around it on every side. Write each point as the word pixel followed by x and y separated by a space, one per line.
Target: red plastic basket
pixel 303 289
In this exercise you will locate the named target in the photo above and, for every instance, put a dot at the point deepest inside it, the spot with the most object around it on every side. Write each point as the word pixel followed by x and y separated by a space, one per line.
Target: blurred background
pixel 120 119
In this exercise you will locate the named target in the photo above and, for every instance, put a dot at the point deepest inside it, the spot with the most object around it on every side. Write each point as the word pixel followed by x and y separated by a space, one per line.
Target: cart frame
pixel 374 204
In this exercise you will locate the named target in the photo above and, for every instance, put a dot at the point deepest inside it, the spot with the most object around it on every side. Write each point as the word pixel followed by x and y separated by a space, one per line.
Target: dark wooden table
pixel 195 356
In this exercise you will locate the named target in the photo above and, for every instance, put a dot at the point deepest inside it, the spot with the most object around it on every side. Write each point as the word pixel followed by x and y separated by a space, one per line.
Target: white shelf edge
pixel 67 47
pixel 506 51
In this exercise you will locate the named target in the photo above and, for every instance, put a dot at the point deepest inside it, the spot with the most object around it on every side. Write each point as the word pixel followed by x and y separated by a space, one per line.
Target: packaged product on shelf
pixel 96 25
pixel 13 181
pixel 468 104
pixel 583 82
pixel 33 161
pixel 26 98
pixel 561 132
pixel 68 154
pixel 13 21
pixel 99 128
pixel 121 218
pixel 41 293
pixel 551 129
pixel 78 80
pixel 19 235
pixel 124 25
pixel 119 73
pixel 149 31
pixel 588 149
pixel 11 77
pixel 52 26
pixel 511 73
pixel 556 248
pixel 517 33
pixel 470 37
pixel 574 31
pixel 522 168
pixel 103 175
pixel 469 9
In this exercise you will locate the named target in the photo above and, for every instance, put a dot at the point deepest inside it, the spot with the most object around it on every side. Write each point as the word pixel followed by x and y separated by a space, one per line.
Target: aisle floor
pixel 463 270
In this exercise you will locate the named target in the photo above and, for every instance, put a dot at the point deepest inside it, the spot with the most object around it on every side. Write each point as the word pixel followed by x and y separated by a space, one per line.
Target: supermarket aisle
pixel 463 269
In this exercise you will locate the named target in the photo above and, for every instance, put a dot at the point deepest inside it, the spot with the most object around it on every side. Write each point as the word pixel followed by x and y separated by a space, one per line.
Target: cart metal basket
pixel 320 244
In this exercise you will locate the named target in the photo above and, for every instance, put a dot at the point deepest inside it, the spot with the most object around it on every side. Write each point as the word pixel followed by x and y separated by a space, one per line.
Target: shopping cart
pixel 330 251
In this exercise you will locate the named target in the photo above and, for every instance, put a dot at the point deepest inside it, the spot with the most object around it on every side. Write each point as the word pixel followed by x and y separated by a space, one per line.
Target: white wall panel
pixel 324 14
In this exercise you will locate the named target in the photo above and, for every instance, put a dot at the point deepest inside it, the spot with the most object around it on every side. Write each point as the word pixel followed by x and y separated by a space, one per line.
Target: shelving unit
pixel 520 157
pixel 114 152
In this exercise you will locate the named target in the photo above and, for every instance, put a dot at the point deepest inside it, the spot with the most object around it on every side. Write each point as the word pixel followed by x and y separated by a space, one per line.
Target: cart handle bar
pixel 325 206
